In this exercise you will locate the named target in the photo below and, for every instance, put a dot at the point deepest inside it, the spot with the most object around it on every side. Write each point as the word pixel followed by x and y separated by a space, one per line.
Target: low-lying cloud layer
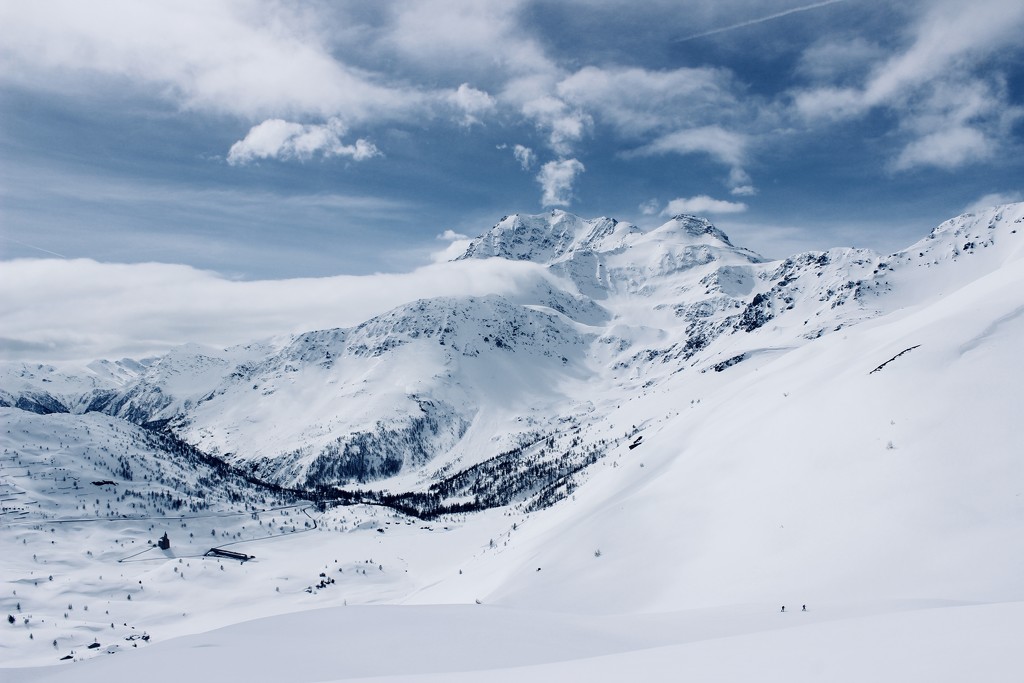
pixel 120 310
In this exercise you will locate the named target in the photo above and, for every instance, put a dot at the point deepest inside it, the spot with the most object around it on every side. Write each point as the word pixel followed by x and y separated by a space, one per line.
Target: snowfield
pixel 652 458
pixel 470 643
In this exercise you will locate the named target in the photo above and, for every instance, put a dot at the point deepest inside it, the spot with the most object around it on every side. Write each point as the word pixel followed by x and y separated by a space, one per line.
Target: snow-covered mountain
pixel 661 441
pixel 439 386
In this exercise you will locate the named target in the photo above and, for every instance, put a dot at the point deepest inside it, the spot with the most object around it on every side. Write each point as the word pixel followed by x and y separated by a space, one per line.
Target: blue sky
pixel 267 139
pixel 272 140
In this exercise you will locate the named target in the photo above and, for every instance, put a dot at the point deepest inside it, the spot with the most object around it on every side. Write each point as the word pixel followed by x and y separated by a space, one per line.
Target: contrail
pixel 32 246
pixel 759 20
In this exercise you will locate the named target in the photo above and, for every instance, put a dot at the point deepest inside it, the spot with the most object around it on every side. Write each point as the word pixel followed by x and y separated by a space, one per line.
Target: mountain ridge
pixel 329 408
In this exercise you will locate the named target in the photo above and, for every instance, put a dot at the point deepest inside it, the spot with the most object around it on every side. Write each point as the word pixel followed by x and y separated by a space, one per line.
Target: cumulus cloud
pixel 278 63
pixel 525 156
pixel 994 199
pixel 556 178
pixel 278 139
pixel 450 235
pixel 117 310
pixel 472 103
pixel 292 72
pixel 702 204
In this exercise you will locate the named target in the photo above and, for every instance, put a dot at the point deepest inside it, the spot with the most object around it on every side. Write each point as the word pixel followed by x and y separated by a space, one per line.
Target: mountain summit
pixel 546 238
pixel 555 236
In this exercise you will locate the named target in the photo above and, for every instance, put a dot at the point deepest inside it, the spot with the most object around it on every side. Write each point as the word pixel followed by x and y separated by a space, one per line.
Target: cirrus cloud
pixel 949 112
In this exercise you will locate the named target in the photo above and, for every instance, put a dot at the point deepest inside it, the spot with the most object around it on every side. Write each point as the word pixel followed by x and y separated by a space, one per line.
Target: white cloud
pixel 117 310
pixel 950 32
pixel 948 39
pixel 951 112
pixel 837 60
pixel 994 199
pixel 464 36
pixel 450 235
pixel 702 204
pixel 564 125
pixel 830 103
pixel 639 102
pixel 525 156
pixel 722 145
pixel 279 66
pixel 278 139
pixel 678 111
pixel 262 60
pixel 946 149
pixel 556 178
pixel 251 59
pixel 457 245
pixel 957 122
pixel 472 103
pixel 740 184
pixel 650 207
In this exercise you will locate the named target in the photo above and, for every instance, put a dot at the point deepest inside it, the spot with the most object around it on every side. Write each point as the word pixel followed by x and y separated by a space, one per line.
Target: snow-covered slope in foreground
pixel 469 644
pixel 873 473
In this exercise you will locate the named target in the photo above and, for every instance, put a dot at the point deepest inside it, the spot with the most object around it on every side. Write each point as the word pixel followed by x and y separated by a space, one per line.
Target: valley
pixel 642 453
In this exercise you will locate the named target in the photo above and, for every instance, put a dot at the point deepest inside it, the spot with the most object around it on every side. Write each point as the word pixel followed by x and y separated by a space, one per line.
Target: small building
pixel 164 543
pixel 229 554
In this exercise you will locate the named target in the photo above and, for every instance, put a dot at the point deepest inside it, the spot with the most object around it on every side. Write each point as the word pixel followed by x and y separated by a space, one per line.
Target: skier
pixel 804 609
pixel 783 608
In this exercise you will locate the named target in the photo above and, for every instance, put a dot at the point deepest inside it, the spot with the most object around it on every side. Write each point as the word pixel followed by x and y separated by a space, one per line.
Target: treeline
pixel 385 451
pixel 536 474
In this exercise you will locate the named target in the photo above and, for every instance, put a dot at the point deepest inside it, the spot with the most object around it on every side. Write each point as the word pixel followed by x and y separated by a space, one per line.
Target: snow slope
pixel 841 434
pixel 472 643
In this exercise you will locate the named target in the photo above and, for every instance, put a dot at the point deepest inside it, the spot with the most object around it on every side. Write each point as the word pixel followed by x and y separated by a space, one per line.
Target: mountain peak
pixel 695 226
pixel 545 238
